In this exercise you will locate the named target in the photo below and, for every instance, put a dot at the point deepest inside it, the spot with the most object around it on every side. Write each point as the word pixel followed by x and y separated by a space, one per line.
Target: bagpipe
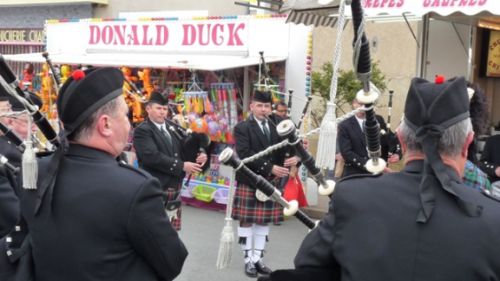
pixel 369 94
pixel 10 84
pixel 193 143
pixel 5 163
pixel 228 157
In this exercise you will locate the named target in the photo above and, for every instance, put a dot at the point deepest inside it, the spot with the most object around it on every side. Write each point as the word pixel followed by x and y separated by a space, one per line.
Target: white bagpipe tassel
pixel 225 253
pixel 29 163
pixel 325 156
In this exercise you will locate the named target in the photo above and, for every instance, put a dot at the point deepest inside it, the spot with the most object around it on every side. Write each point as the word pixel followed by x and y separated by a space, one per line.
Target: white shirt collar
pixel 160 126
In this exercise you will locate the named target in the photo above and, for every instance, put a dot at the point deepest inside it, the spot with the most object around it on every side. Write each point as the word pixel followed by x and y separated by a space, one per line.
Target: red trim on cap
pixel 439 79
pixel 78 75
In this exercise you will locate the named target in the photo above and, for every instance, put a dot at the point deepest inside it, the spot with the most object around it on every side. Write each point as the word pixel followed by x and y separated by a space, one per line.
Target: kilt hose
pixel 172 194
pixel 248 209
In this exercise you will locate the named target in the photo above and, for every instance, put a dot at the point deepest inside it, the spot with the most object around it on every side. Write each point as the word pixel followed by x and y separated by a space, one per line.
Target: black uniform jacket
pixel 250 140
pixel 106 221
pixel 352 145
pixel 490 158
pixel 156 157
pixel 9 204
pixel 370 233
pixel 10 151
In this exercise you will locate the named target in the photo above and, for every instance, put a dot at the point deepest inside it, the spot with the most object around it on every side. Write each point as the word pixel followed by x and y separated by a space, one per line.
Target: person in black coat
pixel 18 124
pixel 9 204
pixel 416 224
pixel 158 144
pixel 490 159
pixel 253 135
pixel 92 217
pixel 352 143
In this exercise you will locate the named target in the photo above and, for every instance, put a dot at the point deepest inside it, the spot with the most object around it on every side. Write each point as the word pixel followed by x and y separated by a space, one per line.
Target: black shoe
pixel 250 270
pixel 262 268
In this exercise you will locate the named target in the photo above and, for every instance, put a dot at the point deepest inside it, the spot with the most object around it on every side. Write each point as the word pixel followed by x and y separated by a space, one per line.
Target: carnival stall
pixel 207 66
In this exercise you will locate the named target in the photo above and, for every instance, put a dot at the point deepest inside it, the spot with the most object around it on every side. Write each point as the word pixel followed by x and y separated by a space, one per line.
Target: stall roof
pixel 191 61
pixel 310 12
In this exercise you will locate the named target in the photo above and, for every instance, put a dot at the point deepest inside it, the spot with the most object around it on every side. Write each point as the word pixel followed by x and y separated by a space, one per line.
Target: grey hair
pixel 85 129
pixel 450 144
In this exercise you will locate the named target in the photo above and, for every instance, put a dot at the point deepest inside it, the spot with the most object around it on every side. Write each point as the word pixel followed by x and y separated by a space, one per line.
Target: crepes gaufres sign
pixel 424 6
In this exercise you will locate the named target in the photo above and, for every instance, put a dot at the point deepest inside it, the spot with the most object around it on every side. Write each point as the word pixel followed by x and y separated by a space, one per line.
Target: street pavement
pixel 201 231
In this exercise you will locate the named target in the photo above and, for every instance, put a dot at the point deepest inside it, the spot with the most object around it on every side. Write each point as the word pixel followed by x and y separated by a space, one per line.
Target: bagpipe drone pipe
pixel 10 84
pixel 228 157
pixel 369 94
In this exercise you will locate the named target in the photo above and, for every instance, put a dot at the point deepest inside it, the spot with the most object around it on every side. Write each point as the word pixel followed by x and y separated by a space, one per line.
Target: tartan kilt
pixel 248 209
pixel 172 195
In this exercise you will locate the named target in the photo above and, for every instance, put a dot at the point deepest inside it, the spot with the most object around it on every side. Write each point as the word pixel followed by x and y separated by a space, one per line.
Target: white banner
pixel 238 36
pixel 422 7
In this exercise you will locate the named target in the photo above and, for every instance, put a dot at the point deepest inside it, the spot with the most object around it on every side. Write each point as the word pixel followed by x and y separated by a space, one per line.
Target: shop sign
pixel 238 36
pixel 13 36
pixel 422 7
pixel 493 65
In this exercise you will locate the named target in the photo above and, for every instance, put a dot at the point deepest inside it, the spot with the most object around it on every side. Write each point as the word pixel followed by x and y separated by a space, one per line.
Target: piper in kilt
pixel 158 144
pixel 252 136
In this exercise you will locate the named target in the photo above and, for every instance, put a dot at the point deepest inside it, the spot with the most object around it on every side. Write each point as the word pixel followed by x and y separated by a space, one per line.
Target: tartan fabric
pixel 475 178
pixel 247 209
pixel 171 194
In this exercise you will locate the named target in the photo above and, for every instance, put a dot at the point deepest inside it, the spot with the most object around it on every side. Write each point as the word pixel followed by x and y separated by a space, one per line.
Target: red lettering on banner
pixel 453 3
pixel 120 34
pixel 201 32
pixel 234 38
pixel 373 4
pixel 107 35
pixel 95 35
pixel 161 35
pixel 146 41
pixel 189 34
pixel 133 38
pixel 216 38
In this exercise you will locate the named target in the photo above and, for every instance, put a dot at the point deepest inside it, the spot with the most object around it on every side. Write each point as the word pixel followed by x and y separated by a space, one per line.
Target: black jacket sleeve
pixel 150 155
pixel 151 234
pixel 9 203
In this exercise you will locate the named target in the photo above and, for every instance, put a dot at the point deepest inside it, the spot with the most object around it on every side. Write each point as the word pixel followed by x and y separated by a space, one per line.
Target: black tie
pixel 267 134
pixel 168 137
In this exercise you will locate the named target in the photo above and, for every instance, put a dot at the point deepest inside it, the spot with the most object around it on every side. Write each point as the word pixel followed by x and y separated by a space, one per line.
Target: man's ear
pixel 103 125
pixel 465 149
pixel 401 142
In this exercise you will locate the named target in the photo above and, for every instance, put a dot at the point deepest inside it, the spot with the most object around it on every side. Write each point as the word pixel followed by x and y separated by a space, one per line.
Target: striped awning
pixel 299 17
pixel 309 12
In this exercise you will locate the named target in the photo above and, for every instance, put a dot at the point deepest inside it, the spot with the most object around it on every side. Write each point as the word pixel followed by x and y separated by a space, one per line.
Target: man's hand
pixel 338 157
pixel 202 159
pixel 279 171
pixel 388 170
pixel 191 168
pixel 497 171
pixel 292 161
pixel 394 158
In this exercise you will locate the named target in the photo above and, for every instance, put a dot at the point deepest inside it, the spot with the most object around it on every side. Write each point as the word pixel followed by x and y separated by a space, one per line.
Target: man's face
pixel 19 125
pixel 355 105
pixel 260 109
pixel 121 126
pixel 281 111
pixel 156 112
